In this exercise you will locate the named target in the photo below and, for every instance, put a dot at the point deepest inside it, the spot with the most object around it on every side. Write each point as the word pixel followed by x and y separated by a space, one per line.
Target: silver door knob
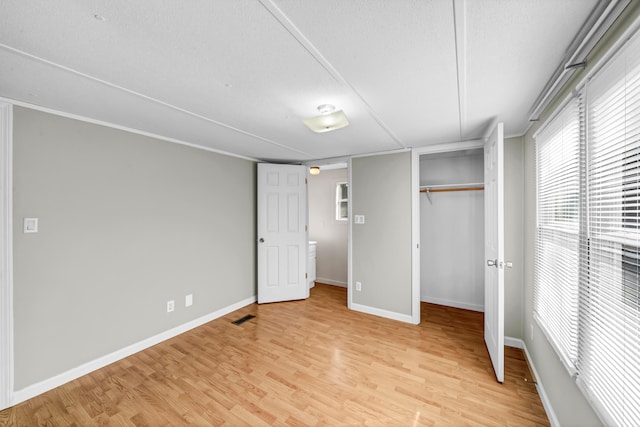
pixel 261 240
pixel 492 262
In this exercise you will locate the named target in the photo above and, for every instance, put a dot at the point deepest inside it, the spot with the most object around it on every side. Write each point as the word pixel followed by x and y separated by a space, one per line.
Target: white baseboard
pixel 518 343
pixel 331 282
pixel 72 374
pixel 382 313
pixel 450 303
pixel 513 342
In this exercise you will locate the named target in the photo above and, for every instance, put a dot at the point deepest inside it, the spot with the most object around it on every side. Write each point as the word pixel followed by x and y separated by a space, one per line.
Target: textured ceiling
pixel 240 76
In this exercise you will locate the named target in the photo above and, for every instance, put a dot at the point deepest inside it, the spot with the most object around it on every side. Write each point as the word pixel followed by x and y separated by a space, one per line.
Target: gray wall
pixel 569 404
pixel 381 190
pixel 127 223
pixel 513 245
pixel 331 234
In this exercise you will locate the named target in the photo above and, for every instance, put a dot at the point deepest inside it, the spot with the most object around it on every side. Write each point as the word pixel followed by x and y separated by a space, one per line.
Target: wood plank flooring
pixel 309 362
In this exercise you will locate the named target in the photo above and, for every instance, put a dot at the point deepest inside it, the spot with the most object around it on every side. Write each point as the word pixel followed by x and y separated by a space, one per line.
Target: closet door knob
pixel 492 262
pixel 261 240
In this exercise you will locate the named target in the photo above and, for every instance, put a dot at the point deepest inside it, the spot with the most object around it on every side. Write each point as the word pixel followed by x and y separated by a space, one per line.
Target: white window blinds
pixel 587 258
pixel 557 238
pixel 609 355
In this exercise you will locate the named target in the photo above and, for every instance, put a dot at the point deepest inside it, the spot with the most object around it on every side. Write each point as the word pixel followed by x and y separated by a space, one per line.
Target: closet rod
pixel 443 190
pixel 439 188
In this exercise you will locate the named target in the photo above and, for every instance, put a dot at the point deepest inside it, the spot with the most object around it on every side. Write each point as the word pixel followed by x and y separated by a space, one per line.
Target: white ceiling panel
pixel 512 48
pixel 240 76
pixel 398 55
pixel 54 88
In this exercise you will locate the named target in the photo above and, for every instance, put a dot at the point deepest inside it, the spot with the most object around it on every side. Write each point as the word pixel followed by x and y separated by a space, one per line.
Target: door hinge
pixel 305 181
pixel 306 276
pixel 305 227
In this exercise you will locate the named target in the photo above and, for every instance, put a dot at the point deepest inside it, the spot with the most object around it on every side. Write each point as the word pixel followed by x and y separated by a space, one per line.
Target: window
pixel 342 201
pixel 586 274
pixel 557 267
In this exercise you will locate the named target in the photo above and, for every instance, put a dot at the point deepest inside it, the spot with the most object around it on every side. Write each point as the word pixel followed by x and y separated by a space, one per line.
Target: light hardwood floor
pixel 309 362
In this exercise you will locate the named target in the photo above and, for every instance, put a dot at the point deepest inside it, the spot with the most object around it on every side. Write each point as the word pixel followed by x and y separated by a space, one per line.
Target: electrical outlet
pixel 188 300
pixel 358 286
pixel 170 306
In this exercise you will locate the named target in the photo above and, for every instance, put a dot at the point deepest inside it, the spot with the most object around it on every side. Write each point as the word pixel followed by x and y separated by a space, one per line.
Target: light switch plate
pixel 30 225
pixel 359 219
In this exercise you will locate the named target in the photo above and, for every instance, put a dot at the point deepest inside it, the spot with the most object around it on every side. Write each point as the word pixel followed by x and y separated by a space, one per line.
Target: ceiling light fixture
pixel 329 120
pixel 314 170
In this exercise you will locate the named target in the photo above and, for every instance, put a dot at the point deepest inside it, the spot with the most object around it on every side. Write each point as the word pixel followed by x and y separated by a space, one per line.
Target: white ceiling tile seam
pixel 149 98
pixel 393 65
pixel 459 34
pixel 297 34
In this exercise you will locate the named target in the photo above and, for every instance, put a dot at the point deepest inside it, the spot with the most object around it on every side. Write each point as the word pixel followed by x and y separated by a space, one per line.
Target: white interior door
pixel 282 233
pixel 494 249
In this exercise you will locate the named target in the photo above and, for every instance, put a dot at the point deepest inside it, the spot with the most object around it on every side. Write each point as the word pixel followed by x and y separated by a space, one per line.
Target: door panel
pixel 282 234
pixel 494 250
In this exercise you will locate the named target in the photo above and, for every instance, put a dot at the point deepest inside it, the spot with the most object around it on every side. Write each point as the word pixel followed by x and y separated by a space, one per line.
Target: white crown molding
pixel 123 128
pixel 149 98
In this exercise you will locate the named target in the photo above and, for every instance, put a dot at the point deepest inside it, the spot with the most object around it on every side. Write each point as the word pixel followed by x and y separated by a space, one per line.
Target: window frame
pixel 339 201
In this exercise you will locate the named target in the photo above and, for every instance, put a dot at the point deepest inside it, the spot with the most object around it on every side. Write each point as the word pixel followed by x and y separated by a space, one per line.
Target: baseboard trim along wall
pixel 331 282
pixel 450 303
pixel 518 343
pixel 72 374
pixel 382 313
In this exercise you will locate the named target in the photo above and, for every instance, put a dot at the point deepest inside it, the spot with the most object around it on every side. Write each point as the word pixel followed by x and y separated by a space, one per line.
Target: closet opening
pixel 328 195
pixel 451 219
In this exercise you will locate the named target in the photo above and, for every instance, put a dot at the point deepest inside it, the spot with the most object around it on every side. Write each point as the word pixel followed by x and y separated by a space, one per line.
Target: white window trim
pixel 337 202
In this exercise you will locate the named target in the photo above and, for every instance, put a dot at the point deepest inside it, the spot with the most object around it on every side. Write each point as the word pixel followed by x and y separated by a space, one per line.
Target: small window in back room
pixel 342 206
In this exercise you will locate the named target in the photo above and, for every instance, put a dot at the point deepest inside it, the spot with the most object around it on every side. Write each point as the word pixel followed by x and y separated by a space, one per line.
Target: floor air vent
pixel 241 320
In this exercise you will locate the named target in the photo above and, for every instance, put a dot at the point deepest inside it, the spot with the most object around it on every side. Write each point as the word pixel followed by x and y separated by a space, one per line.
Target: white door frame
pixel 6 255
pixel 415 211
pixel 339 161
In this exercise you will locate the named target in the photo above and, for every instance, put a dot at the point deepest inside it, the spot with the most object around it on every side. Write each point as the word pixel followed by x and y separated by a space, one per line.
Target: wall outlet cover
pixel 30 225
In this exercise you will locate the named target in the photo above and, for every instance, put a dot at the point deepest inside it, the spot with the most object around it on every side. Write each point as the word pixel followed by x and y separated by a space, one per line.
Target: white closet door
pixel 494 249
